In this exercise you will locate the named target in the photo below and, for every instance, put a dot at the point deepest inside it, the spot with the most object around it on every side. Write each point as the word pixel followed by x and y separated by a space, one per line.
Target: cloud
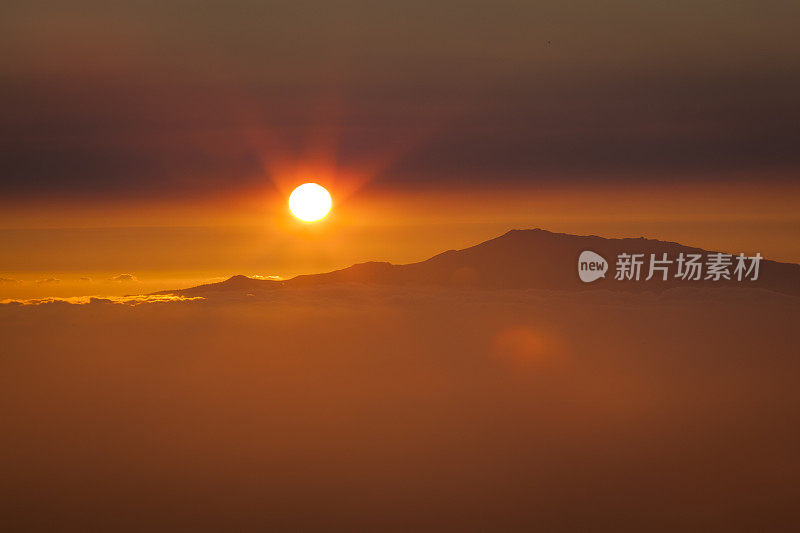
pixel 274 278
pixel 124 277
pixel 646 115
pixel 407 374
pixel 8 281
pixel 48 281
pixel 85 279
pixel 83 300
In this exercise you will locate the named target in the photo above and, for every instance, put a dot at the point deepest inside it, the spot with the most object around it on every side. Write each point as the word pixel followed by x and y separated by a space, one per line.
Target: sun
pixel 310 202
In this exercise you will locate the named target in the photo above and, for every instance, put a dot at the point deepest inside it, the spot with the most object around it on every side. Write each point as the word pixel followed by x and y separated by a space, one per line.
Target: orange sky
pixel 180 243
pixel 161 140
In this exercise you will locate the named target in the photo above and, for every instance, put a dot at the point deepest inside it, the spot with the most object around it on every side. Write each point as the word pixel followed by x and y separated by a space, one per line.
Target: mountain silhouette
pixel 522 259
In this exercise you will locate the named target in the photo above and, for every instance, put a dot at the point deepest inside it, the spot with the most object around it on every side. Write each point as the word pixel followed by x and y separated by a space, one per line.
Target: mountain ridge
pixel 518 259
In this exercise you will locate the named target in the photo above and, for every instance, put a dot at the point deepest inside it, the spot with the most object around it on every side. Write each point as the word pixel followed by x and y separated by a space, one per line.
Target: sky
pixel 160 140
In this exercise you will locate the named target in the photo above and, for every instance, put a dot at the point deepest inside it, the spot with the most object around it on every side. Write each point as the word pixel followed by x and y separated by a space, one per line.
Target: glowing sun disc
pixel 310 202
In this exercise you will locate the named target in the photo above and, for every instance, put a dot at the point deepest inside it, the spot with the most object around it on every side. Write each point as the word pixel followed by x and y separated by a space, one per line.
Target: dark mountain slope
pixel 522 259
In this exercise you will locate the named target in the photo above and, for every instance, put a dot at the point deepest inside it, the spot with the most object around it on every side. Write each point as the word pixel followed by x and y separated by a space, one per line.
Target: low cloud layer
pixel 83 300
pixel 124 277
pixel 353 409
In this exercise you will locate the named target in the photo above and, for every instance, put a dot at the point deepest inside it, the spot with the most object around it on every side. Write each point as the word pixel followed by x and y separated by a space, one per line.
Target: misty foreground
pixel 348 408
